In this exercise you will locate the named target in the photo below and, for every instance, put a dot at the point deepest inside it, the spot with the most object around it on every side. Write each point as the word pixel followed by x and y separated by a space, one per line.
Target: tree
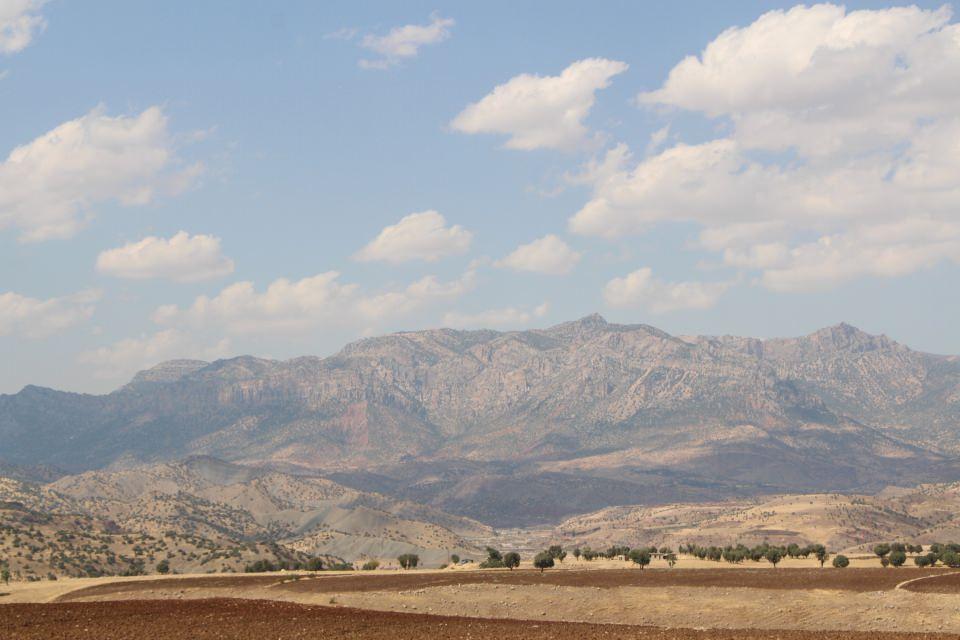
pixel 455 559
pixel 881 551
pixel 5 575
pixel 774 556
pixel 640 557
pixel 897 558
pixel 671 558
pixel 543 560
pixel 576 553
pixel 921 561
pixel 494 559
pixel 409 560
pixel 820 552
pixel 370 565
pixel 511 560
pixel 841 561
pixel 950 558
pixel 557 553
pixel 163 567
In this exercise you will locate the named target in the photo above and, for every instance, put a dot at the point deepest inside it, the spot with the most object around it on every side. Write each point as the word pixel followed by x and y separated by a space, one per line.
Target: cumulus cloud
pixel 549 255
pixel 183 258
pixel 48 186
pixel 840 125
pixel 20 21
pixel 418 236
pixel 320 301
pixel 542 112
pixel 505 317
pixel 124 357
pixel 403 43
pixel 641 289
pixel 26 317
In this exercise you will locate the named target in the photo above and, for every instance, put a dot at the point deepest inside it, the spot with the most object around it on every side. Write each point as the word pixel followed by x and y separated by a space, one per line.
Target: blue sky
pixel 796 176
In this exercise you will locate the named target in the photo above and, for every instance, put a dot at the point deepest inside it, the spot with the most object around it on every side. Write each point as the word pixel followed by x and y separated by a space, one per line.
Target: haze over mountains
pixel 523 427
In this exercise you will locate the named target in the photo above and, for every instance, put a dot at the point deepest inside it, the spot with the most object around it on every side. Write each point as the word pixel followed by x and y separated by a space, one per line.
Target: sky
pixel 205 180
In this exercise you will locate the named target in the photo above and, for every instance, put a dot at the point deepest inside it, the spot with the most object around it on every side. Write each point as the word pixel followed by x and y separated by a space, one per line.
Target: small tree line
pixel 894 554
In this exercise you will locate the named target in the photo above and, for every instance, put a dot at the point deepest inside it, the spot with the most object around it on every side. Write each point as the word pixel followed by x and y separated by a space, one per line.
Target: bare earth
pixel 788 603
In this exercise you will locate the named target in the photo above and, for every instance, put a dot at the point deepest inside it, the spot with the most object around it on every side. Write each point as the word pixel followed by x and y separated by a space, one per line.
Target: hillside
pixel 531 426
pixel 922 515
pixel 204 498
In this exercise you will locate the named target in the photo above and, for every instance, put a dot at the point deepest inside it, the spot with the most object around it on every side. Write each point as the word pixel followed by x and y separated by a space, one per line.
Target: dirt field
pixel 797 603
pixel 258 619
pixel 860 580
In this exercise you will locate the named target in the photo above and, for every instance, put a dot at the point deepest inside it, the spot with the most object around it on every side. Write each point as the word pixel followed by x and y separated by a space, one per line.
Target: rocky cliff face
pixel 833 410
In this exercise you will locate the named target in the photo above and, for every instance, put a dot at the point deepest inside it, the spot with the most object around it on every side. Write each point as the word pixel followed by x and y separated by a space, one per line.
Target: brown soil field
pixel 878 579
pixel 258 619
pixel 859 580
pixel 949 583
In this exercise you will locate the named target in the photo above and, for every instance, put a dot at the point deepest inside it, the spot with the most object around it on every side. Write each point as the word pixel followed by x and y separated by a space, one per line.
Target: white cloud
pixel 32 318
pixel 183 258
pixel 840 124
pixel 539 112
pixel 418 236
pixel 641 289
pixel 319 301
pixel 549 255
pixel 403 43
pixel 505 317
pixel 49 185
pixel 20 21
pixel 121 359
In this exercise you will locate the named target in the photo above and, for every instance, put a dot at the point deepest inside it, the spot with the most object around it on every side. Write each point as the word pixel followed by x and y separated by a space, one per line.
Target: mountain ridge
pixel 631 407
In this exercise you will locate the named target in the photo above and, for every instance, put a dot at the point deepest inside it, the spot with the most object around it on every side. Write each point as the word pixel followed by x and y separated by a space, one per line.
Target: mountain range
pixel 523 427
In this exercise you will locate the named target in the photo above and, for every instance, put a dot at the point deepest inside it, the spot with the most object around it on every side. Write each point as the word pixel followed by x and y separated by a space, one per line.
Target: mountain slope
pixel 621 409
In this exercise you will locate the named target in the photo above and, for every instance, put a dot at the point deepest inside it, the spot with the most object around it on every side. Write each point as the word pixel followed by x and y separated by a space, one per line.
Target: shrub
pixel 163 567
pixel 370 565
pixel 841 562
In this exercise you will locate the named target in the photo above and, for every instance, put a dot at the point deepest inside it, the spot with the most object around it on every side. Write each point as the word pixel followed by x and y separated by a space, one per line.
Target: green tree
pixel 511 560
pixel 163 567
pixel 671 558
pixel 640 557
pixel 841 561
pixel 881 550
pixel 921 561
pixel 370 565
pixel 408 560
pixel 455 559
pixel 576 553
pixel 5 575
pixel 543 560
pixel 774 556
pixel 950 558
pixel 821 554
pixel 897 558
